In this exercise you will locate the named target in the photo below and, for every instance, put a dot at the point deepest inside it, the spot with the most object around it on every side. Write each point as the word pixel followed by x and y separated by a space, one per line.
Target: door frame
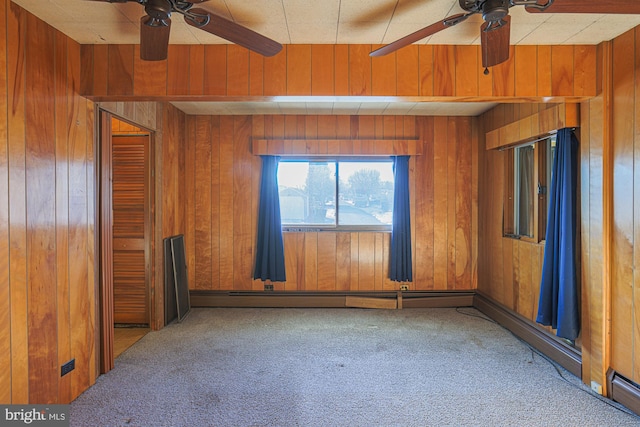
pixel 105 237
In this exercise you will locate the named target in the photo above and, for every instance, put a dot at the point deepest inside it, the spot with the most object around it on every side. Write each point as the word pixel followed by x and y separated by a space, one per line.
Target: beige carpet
pixel 338 367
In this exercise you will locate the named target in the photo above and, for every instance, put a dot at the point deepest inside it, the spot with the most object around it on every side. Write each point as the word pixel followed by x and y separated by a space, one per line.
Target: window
pixel 336 194
pixel 527 176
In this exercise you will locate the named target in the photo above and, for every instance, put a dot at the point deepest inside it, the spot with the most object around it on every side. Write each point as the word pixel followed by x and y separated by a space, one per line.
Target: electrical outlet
pixel 404 287
pixel 596 387
pixel 67 367
pixel 268 286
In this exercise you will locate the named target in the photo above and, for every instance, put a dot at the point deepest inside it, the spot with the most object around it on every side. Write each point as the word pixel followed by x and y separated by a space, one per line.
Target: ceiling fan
pixel 156 25
pixel 495 31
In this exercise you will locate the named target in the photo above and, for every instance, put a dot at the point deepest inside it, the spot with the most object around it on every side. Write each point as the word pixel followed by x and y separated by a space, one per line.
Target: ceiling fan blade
pixel 495 43
pixel 154 38
pixel 420 34
pixel 582 6
pixel 235 33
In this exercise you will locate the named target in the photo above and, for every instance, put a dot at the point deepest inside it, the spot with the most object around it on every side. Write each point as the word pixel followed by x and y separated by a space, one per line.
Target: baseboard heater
pixel 623 391
pixel 399 300
pixel 563 354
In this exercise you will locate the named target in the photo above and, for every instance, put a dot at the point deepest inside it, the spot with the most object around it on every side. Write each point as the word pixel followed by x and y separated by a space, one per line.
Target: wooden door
pixel 131 230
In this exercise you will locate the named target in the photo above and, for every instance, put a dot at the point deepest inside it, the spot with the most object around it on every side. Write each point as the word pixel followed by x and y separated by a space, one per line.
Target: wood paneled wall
pixel 509 270
pixel 624 220
pixel 609 214
pixel 47 211
pixel 338 70
pixel 222 185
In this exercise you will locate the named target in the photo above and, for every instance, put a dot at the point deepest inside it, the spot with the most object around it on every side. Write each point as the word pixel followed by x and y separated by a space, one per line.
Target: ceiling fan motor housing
pixel 495 10
pixel 158 9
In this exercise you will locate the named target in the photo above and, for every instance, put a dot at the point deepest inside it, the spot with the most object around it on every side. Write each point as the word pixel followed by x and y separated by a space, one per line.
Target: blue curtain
pixel 559 295
pixel 400 261
pixel 270 249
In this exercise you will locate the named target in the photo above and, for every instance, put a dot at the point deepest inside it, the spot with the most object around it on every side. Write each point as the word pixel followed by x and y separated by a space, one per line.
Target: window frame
pixel 543 163
pixel 384 228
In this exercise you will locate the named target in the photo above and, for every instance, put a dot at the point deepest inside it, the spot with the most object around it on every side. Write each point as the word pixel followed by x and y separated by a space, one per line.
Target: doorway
pixel 126 230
